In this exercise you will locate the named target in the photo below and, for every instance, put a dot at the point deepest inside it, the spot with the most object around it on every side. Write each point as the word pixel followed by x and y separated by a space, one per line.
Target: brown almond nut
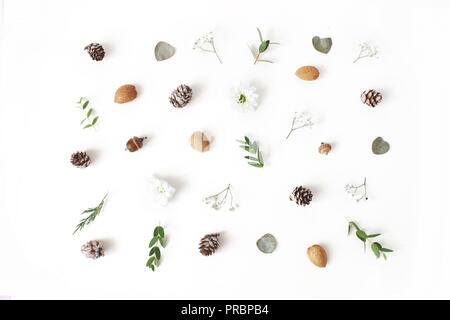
pixel 317 256
pixel 307 73
pixel 199 141
pixel 125 93
pixel 135 143
pixel 324 148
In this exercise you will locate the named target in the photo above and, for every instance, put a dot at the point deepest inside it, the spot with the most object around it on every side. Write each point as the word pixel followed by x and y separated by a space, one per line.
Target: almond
pixel 199 141
pixel 125 93
pixel 317 256
pixel 307 73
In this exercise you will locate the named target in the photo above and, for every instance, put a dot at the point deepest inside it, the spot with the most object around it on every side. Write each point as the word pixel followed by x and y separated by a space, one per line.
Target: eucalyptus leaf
pixel 267 243
pixel 163 51
pixel 379 146
pixel 375 249
pixel 152 242
pixel 157 253
pixel 322 44
pixel 361 235
pixel 263 46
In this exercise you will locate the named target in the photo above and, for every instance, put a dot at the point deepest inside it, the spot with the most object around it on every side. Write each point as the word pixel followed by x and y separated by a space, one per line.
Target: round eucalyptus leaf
pixel 163 51
pixel 379 146
pixel 267 243
pixel 322 44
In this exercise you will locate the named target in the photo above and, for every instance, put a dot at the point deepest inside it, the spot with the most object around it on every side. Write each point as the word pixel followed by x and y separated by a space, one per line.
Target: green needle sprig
pixel 252 148
pixel 83 104
pixel 155 252
pixel 263 46
pixel 376 247
pixel 93 213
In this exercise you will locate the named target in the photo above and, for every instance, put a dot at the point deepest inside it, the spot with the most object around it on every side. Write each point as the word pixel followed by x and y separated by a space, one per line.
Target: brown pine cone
pixel 96 51
pixel 302 196
pixel 181 96
pixel 93 249
pixel 80 159
pixel 371 98
pixel 209 244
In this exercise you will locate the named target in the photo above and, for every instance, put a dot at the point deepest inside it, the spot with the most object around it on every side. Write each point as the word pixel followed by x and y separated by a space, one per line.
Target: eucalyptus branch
pixel 83 103
pixel 263 46
pixel 218 200
pixel 206 44
pixel 155 252
pixel 93 213
pixel 376 247
pixel 358 192
pixel 252 148
pixel 299 121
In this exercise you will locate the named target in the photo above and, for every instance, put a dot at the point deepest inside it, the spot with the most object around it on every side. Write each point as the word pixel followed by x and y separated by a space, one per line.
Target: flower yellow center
pixel 242 99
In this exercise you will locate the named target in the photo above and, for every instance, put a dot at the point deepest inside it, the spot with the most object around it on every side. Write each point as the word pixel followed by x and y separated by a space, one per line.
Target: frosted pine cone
pixel 181 96
pixel 209 244
pixel 302 196
pixel 371 98
pixel 96 51
pixel 80 159
pixel 93 249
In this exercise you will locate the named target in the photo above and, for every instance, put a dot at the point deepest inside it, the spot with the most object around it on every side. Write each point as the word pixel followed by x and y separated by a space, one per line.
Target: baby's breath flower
pixel 367 50
pixel 206 44
pixel 220 199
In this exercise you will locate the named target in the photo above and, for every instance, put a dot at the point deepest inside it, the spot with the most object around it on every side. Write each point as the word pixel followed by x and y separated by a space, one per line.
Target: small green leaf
pixel 150 261
pixel 251 158
pixel 161 231
pixel 247 140
pixel 261 60
pixel 257 165
pixel 354 225
pixel 240 141
pixel 349 228
pixel 245 148
pixel 155 232
pixel 87 126
pixel 260 35
pixel 260 157
pixel 161 241
pixel 89 112
pixel 82 121
pixel 157 253
pixel 152 242
pixel 375 249
pixel 386 250
pixel 361 235
pixel 263 46
pixel 384 256
pixel 373 235
pixel 152 266
pixel 95 120
pixel 85 104
pixel 152 251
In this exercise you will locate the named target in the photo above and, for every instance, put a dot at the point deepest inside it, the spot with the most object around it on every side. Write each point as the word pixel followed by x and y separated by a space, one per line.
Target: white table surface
pixel 44 70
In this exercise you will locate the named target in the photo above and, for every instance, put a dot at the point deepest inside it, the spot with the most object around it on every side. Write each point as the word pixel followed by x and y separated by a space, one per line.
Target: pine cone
pixel 371 98
pixel 96 51
pixel 302 196
pixel 181 96
pixel 93 249
pixel 209 244
pixel 80 159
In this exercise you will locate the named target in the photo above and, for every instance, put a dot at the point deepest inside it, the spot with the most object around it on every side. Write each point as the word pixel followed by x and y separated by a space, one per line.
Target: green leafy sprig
pixel 155 252
pixel 252 148
pixel 93 213
pixel 263 46
pixel 376 247
pixel 83 104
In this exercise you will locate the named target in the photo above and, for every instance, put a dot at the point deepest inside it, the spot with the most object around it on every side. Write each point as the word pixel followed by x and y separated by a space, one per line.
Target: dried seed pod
pixel 324 148
pixel 307 73
pixel 199 141
pixel 125 93
pixel 371 97
pixel 135 143
pixel 317 255
pixel 93 249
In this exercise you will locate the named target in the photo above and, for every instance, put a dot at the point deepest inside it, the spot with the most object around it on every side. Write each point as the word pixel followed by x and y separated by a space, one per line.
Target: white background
pixel 44 71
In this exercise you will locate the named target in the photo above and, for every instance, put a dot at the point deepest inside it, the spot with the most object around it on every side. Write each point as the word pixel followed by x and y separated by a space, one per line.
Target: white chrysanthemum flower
pixel 244 98
pixel 162 191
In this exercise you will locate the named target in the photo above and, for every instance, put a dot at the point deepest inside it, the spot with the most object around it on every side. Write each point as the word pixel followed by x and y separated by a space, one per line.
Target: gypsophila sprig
pixel 93 213
pixel 367 50
pixel 358 192
pixel 252 148
pixel 300 120
pixel 218 200
pixel 206 44
pixel 155 252
pixel 263 46
pixel 376 247
pixel 89 119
